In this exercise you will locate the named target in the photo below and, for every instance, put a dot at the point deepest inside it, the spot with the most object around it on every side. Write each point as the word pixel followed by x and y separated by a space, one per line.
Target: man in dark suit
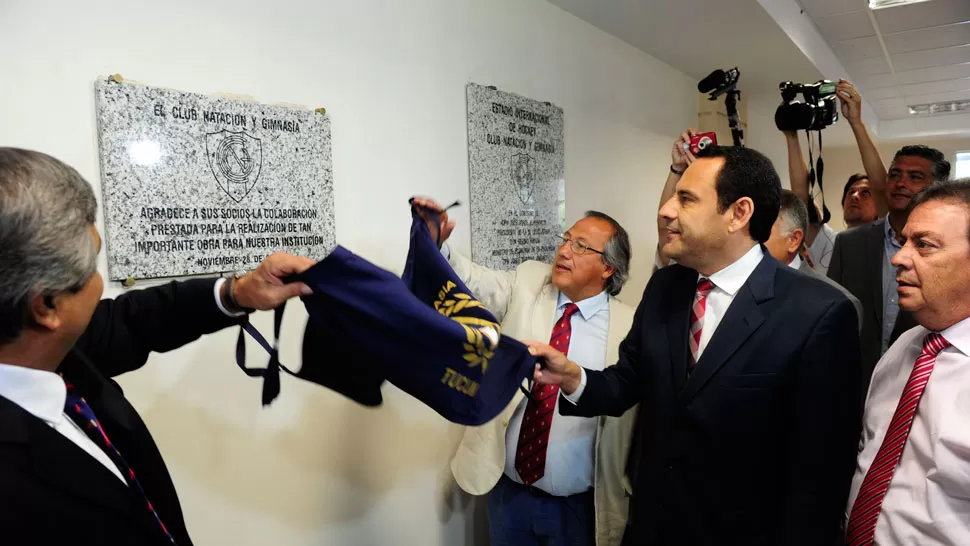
pixel 861 257
pixel 746 373
pixel 77 464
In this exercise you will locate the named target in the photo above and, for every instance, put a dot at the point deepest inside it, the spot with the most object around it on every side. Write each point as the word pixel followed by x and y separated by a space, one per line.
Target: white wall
pixel 765 137
pixel 315 468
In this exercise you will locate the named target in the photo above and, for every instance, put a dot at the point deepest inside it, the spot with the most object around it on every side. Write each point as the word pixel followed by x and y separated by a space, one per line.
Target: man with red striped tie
pixel 746 371
pixel 536 468
pixel 912 481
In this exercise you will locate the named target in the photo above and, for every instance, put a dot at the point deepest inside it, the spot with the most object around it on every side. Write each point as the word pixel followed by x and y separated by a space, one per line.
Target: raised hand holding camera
pixel 851 101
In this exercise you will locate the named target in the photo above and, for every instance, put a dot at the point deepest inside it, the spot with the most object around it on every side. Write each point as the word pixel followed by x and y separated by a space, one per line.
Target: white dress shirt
pixel 572 440
pixel 821 249
pixel 727 282
pixel 796 263
pixel 43 394
pixel 928 502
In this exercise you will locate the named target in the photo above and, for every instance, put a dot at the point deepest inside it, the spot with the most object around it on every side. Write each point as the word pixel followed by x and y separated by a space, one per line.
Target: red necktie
pixel 530 456
pixel 867 505
pixel 704 287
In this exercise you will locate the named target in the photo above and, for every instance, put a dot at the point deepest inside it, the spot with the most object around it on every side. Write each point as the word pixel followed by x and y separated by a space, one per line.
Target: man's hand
pixel 559 370
pixel 851 101
pixel 680 158
pixel 443 226
pixel 264 288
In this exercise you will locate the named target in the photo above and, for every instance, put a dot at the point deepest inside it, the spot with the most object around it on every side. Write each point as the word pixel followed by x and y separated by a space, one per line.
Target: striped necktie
pixel 704 287
pixel 867 505
pixel 81 413
pixel 530 454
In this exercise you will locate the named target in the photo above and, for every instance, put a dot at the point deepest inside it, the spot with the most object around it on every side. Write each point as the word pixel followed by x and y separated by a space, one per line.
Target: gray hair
pixel 793 214
pixel 616 253
pixel 46 209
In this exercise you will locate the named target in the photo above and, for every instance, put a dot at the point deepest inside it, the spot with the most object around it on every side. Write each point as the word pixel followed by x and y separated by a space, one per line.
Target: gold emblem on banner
pixel 482 335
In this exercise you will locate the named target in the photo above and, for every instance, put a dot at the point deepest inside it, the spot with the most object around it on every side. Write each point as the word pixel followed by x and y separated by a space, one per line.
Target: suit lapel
pixel 544 313
pixel 65 466
pixel 875 251
pixel 742 319
pixel 677 303
pixel 614 335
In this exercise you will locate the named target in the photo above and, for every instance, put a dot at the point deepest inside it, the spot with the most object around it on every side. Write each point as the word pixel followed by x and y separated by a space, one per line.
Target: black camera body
pixel 816 112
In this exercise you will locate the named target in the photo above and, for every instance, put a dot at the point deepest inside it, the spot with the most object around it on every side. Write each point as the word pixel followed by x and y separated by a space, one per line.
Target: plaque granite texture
pixel 195 184
pixel 516 184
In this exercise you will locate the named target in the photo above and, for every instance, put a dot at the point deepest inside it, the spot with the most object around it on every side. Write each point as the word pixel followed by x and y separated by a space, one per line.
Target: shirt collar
pixel 589 306
pixel 732 278
pixel 891 234
pixel 796 263
pixel 40 393
pixel 959 336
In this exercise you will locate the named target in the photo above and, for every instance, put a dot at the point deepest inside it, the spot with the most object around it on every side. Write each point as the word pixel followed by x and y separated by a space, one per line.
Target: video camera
pixel 818 111
pixel 725 82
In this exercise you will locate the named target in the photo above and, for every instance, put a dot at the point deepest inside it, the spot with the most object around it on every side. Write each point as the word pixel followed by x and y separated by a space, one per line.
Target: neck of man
pixel 937 323
pixel 33 351
pixel 581 294
pixel 897 220
pixel 731 252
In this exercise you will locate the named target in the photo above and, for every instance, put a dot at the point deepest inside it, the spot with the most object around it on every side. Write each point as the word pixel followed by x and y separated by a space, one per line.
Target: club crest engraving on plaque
pixel 235 160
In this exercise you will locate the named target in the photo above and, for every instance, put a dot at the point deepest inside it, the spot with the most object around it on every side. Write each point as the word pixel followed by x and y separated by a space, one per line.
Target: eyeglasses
pixel 578 246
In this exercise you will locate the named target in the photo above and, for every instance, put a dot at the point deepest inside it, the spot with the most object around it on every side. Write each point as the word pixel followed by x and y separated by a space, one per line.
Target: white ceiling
pixel 899 56
pixel 926 57
pixel 698 36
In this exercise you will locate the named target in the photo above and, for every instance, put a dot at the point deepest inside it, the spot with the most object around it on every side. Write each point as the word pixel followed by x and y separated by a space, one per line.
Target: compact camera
pixel 700 141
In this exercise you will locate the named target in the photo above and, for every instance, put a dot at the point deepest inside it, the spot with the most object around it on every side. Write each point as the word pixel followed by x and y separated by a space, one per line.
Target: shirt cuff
pixel 446 251
pixel 215 292
pixel 574 397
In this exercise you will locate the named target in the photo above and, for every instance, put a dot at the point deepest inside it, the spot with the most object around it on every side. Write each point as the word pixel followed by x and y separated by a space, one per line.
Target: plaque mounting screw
pixel 117 78
pixel 321 110
pixel 128 283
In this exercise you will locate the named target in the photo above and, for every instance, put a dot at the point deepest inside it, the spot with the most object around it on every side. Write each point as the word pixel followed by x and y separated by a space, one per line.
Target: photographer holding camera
pixel 861 256
pixel 863 201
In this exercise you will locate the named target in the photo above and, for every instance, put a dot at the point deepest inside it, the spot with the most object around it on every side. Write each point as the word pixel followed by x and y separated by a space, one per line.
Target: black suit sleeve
pixel 617 388
pixel 123 331
pixel 835 266
pixel 824 435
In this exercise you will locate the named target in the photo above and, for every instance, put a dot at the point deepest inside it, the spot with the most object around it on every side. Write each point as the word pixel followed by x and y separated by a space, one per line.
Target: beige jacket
pixel 524 301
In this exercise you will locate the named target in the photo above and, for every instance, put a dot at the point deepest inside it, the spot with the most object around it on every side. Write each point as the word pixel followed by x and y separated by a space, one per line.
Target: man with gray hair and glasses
pixel 77 464
pixel 538 467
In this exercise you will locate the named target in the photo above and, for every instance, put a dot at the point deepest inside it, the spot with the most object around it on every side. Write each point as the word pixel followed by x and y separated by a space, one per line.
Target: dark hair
pixel 748 173
pixel 616 253
pixel 941 167
pixel 794 213
pixel 848 185
pixel 955 190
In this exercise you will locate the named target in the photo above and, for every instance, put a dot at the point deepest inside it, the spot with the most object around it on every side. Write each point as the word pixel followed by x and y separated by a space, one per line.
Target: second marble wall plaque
pixel 516 183
pixel 200 184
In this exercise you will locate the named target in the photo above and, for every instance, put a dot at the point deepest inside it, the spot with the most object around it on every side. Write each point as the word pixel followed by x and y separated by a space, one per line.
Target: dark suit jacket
pixel 758 446
pixel 51 491
pixel 857 261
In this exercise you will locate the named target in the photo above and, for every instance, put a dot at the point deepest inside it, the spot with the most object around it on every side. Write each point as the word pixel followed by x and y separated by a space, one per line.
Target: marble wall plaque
pixel 516 182
pixel 195 184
